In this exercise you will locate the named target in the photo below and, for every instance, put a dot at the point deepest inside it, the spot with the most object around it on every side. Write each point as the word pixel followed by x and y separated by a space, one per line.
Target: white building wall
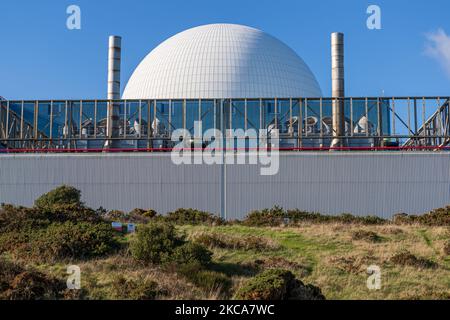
pixel 360 183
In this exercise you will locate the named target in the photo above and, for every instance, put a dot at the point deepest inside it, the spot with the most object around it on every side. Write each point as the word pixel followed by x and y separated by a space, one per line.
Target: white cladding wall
pixel 222 61
pixel 358 183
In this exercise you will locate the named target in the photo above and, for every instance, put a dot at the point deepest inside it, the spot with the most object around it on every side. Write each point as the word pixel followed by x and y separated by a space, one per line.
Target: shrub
pixel 366 235
pixel 8 271
pixel 277 216
pixel 210 240
pixel 400 218
pixel 17 283
pixel 266 217
pixel 154 242
pixel 447 248
pixel 205 279
pixel 191 253
pixel 76 240
pixel 16 241
pixel 116 215
pixel 437 217
pixel 71 212
pixel 61 241
pixel 406 258
pixel 129 289
pixel 366 220
pixel 277 284
pixel 18 218
pixel 193 217
pixel 223 241
pixel 134 216
pixel 278 263
pixel 64 195
pixel 149 213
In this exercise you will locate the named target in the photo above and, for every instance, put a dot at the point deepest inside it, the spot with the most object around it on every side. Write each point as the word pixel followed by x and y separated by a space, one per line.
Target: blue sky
pixel 41 59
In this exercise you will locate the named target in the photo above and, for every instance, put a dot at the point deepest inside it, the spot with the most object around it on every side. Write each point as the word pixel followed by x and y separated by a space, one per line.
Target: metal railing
pixel 371 123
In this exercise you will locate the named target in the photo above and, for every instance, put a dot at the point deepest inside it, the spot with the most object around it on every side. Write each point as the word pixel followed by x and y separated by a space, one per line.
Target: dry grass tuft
pixel 279 263
pixel 225 241
pixel 446 249
pixel 352 264
pixel 365 235
pixel 406 258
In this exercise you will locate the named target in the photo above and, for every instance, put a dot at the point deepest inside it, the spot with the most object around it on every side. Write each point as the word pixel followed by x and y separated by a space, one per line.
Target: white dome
pixel 222 61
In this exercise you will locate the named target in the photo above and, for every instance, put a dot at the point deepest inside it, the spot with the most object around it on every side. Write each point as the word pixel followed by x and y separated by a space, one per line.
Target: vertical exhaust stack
pixel 114 59
pixel 338 88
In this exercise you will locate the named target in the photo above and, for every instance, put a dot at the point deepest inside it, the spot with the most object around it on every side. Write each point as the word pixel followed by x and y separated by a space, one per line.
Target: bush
pixel 61 241
pixel 193 217
pixel 205 279
pixel 191 253
pixel 366 235
pixel 155 242
pixel 18 218
pixel 16 242
pixel 366 220
pixel 55 231
pixel 266 217
pixel 71 212
pixel 406 258
pixel 447 248
pixel 277 216
pixel 277 284
pixel 223 241
pixel 149 213
pixel 64 195
pixel 129 289
pixel 76 240
pixel 116 215
pixel 437 217
pixel 17 283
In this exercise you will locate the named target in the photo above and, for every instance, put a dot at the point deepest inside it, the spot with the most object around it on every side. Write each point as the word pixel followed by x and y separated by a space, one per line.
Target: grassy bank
pixel 190 254
pixel 328 256
pixel 324 255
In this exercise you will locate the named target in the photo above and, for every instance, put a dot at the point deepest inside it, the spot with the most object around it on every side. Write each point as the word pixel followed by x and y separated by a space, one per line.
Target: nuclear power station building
pixel 336 154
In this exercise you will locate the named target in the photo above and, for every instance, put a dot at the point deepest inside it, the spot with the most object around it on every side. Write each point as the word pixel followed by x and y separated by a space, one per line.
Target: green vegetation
pixel 18 283
pixel 446 249
pixel 130 289
pixel 437 217
pixel 207 280
pixel 277 216
pixel 193 217
pixel 155 243
pixel 190 254
pixel 366 236
pixel 61 196
pixel 58 228
pixel 406 258
pixel 224 241
pixel 277 284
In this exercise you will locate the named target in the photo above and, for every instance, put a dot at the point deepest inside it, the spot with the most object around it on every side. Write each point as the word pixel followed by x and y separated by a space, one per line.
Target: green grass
pixel 318 246
pixel 320 254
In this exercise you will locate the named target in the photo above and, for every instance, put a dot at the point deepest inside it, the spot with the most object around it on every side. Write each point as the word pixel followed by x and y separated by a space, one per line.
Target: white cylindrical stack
pixel 338 87
pixel 114 59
